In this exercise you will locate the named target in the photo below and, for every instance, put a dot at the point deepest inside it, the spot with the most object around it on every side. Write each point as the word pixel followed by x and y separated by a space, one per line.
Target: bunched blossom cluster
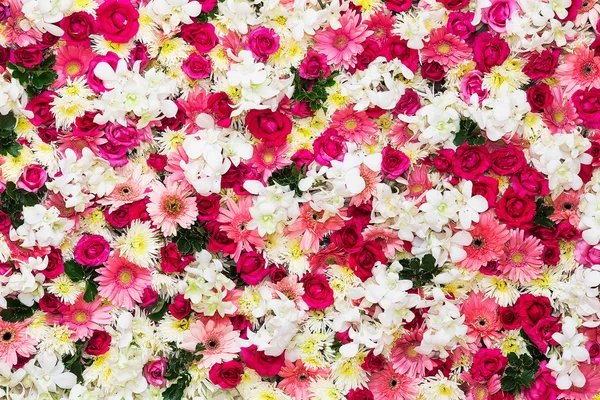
pixel 300 199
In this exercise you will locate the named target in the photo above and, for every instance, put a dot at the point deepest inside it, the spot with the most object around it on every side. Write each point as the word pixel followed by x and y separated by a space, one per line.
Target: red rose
pixel 172 261
pixel 270 127
pixel 541 333
pixel 539 97
pixel 395 47
pixel 78 27
pixel 329 146
pixel 157 162
pixel 301 109
pixel 393 162
pixel 408 104
pixel 32 179
pixel 454 5
pixel 542 65
pixel 487 187
pixel 460 24
pixel 226 375
pixel 29 56
pixel 532 309
pixel 120 217
pixel 487 363
pixel 95 83
pixel 489 51
pixel 50 303
pixel 349 237
pixel 251 267
pixel 314 66
pixel 471 162
pixel 181 307
pixel 277 273
pixel 40 107
pixel 370 52
pixel 55 264
pixel 140 53
pixel 5 223
pixel 509 317
pixel 551 255
pixel 221 107
pixel 5 55
pixel 587 104
pixel 237 175
pixel 218 239
pixel 91 250
pixel 444 160
pixel 433 71
pixel 149 297
pixel 208 207
pixel 373 363
pixel 197 66
pixel 117 20
pixel 507 161
pixel 362 262
pixel 98 344
pixel 201 35
pixel 398 5
pixel 529 182
pixel 516 211
pixel 318 295
pixel 360 394
pixel 263 364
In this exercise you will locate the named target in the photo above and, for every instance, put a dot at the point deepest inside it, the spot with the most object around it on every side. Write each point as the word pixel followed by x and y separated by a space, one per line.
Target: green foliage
pixel 75 363
pixel 519 373
pixel 8 137
pixel 469 132
pixel 35 80
pixel 420 271
pixel 191 240
pixel 77 273
pixel 289 176
pixel 16 311
pixel 74 270
pixel 91 291
pixel 312 91
pixel 542 212
pixel 177 371
pixel 14 199
pixel 159 310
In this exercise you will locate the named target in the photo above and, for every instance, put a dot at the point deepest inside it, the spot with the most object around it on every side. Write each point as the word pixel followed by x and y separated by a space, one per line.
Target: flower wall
pixel 300 199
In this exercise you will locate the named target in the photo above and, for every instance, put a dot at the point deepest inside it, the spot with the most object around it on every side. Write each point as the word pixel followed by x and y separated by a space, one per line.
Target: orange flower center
pixel 172 205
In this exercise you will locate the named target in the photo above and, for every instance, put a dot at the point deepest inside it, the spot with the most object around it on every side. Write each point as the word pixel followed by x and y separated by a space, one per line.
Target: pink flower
pixel 83 318
pixel 342 45
pixel 445 48
pixel 522 261
pixel 172 205
pixel 404 357
pixel 218 338
pixel 579 70
pixel 313 226
pixel 391 385
pixel 15 342
pixel 123 282
pixel 154 371
pixel 489 237
pixel 297 378
pixel 481 318
pixel 71 62
pixel 235 219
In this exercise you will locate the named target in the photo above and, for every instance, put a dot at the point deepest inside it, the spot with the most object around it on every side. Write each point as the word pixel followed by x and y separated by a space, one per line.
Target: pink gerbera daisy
pixel 481 390
pixel 291 289
pixel 343 44
pixel 267 159
pixel 489 237
pixel 579 70
pixel 522 260
pixel 297 378
pixel 371 179
pixel 560 116
pixel 406 360
pixel 382 24
pixel 354 126
pixel 15 341
pixel 566 207
pixel 133 189
pixel 481 318
pixel 83 318
pixel 445 48
pixel 399 134
pixel 172 205
pixel 13 33
pixel 591 387
pixel 387 237
pixel 313 226
pixel 71 62
pixel 391 385
pixel 123 282
pixel 235 219
pixel 418 181
pixel 220 340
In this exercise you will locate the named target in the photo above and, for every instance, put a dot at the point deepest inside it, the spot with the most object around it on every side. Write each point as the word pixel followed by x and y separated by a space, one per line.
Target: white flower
pixel 439 208
pixel 174 12
pixel 573 351
pixel 470 206
pixel 44 15
pixel 49 374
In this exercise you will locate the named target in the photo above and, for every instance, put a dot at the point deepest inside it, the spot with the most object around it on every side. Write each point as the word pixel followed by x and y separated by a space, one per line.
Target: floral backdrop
pixel 300 199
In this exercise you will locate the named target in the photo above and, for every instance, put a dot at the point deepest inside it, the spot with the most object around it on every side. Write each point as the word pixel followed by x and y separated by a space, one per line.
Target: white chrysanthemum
pixel 45 154
pixel 504 291
pixel 67 246
pixel 319 321
pixel 341 280
pixel 544 285
pixel 148 31
pixel 248 302
pixel 171 329
pixel 88 6
pixel 24 128
pixel 510 74
pixel 172 51
pixel 347 373
pixel 72 101
pixel 65 289
pixel 13 166
pixel 100 371
pixel 267 391
pixel 165 285
pixel 140 244
pixel 324 389
pixel 102 46
pixel 513 342
pixel 58 340
pixel 170 140
pixel 313 348
pixel 38 326
pixel 95 223
pixel 442 388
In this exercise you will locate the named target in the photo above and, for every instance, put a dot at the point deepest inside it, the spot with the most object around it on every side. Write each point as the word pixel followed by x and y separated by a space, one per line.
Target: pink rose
pixel 263 364
pixel 498 13
pixel 95 83
pixel 262 42
pixel 181 307
pixel 487 363
pixel 251 267
pixel 586 254
pixel 91 250
pixel 460 24
pixel 154 371
pixel 117 20
pixel 587 104
pixel 78 27
pixel 40 107
pixel 314 66
pixel 149 297
pixel 32 179
pixel 197 66
pixel 201 35
pixel 472 83
pixel 489 51
pixel 122 135
pixel 329 146
pixel 529 182
pixel 393 163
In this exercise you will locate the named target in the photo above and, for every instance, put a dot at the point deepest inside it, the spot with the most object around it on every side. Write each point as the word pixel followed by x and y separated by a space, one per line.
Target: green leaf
pixel 542 212
pixel 159 310
pixel 191 240
pixel 420 271
pixel 468 131
pixel 91 291
pixel 74 270
pixel 16 311
pixel 176 390
pixel 289 176
pixel 8 122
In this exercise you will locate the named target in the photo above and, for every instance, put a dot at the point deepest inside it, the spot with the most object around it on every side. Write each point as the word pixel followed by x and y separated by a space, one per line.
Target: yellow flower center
pixel 444 48
pixel 80 317
pixel 125 276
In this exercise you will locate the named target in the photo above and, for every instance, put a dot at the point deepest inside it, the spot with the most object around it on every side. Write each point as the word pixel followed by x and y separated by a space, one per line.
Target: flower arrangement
pixel 300 199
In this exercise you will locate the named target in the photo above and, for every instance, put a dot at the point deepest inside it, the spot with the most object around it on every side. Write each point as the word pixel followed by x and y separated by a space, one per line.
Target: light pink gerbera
pixel 391 385
pixel 196 103
pixel 312 226
pixel 298 377
pixel 579 70
pixel 15 341
pixel 235 219
pixel 445 48
pixel 13 33
pixel 342 45
pixel 418 181
pixel 133 189
pixel 481 390
pixel 406 360
pixel 267 159
pixel 522 260
pixel 387 237
pixel 400 134
pixel 489 237
pixel 354 126
pixel 83 318
pixel 172 205
pixel 219 339
pixel 591 387
pixel 560 116
pixel 566 207
pixel 481 318
pixel 123 282
pixel 589 11
pixel 371 179
pixel 71 62
pixel 291 289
